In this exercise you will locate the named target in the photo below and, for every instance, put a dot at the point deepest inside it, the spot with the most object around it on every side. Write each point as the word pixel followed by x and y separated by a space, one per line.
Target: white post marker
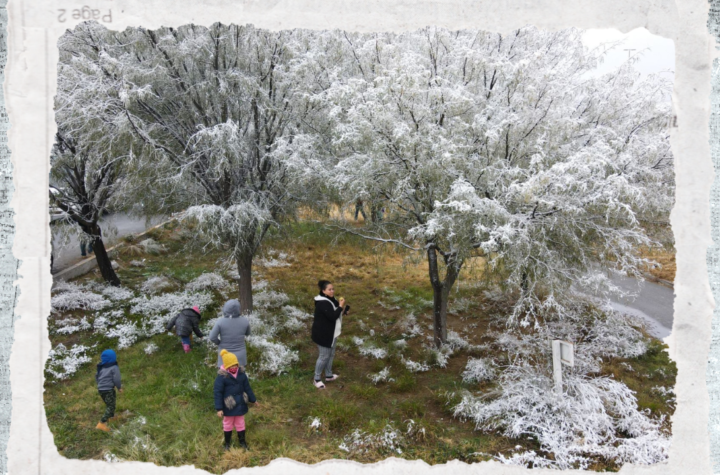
pixel 563 353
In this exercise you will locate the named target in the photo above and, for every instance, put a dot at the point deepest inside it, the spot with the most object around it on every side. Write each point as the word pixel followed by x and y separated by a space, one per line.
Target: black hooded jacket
pixel 323 327
pixel 186 322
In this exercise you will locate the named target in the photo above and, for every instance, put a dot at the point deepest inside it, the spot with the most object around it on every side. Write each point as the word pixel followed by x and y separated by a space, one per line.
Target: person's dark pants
pixel 108 398
pixel 82 249
pixel 359 209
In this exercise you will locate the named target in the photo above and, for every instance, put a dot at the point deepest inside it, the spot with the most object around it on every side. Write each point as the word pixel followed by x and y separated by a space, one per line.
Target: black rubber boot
pixel 241 438
pixel 228 439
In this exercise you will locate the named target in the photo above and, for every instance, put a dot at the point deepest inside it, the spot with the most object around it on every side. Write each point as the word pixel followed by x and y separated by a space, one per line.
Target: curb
pixel 90 263
pixel 652 278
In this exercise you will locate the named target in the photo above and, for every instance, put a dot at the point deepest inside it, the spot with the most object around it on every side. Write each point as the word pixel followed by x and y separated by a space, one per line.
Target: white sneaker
pixel 319 384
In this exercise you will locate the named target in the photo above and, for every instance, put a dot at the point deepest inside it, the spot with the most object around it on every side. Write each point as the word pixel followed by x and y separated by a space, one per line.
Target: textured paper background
pixel 35 25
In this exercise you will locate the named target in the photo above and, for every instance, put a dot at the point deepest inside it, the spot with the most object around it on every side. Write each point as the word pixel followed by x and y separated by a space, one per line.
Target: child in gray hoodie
pixel 107 378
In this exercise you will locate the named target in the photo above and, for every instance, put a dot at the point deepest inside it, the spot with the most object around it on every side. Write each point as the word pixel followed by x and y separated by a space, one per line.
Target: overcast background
pixel 656 54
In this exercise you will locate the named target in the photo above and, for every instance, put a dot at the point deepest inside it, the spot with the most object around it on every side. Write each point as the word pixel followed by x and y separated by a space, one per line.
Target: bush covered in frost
pixel 126 333
pixel 150 348
pixel 381 377
pixel 269 299
pixel 415 367
pixel 170 303
pixel 70 296
pixel 208 280
pixel 410 327
pixel 116 293
pixel 440 357
pixel 155 284
pixel 478 369
pixel 271 262
pixel 275 357
pixel 63 363
pixel 294 312
pixel 388 440
pixel 151 246
pixel 596 417
pixel 456 342
pixel 377 353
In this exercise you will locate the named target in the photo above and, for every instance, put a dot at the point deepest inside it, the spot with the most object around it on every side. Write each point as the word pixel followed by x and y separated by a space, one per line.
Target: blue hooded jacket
pixel 108 372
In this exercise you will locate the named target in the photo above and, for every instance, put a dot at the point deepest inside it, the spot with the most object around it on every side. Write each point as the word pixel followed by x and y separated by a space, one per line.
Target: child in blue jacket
pixel 230 385
pixel 107 378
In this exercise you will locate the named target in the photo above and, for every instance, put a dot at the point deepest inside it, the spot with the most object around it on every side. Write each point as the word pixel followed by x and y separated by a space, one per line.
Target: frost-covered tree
pixel 507 147
pixel 83 184
pixel 91 155
pixel 209 107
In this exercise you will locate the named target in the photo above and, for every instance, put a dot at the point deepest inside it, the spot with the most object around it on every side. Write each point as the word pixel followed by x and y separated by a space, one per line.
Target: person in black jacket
pixel 186 322
pixel 230 386
pixel 326 329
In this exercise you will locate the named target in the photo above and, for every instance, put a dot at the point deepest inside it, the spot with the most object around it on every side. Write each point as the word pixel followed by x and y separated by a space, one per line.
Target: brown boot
pixel 102 426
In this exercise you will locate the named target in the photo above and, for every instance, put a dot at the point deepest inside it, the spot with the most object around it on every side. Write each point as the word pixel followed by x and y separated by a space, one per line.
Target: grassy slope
pixel 173 391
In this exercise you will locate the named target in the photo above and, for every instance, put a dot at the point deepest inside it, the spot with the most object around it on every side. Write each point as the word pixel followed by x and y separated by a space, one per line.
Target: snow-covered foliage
pixel 315 424
pixel 521 158
pixel 276 357
pixel 616 332
pixel 377 353
pixel 440 357
pixel 137 263
pixel 388 440
pixel 358 341
pixel 126 333
pixel 208 280
pixel 595 417
pixel 296 313
pixel 155 284
pixel 414 366
pixel 410 326
pixel 170 303
pixel 116 293
pixel 381 377
pixel 456 342
pixel 151 246
pixel 150 348
pixel 273 262
pixel 63 363
pixel 112 458
pixel 70 326
pixel 478 369
pixel 270 299
pixel 71 296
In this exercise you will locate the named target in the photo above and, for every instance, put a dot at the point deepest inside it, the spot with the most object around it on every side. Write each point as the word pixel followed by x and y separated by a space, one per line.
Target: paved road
pixel 654 302
pixel 114 227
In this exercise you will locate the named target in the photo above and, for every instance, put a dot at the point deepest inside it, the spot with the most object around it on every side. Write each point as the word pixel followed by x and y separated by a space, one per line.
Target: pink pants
pixel 233 421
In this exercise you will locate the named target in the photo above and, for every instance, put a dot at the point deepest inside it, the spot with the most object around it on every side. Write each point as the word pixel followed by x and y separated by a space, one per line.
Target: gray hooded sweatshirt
pixel 230 331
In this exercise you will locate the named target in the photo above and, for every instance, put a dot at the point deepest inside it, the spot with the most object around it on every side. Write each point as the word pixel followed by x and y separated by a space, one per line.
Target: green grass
pixel 171 392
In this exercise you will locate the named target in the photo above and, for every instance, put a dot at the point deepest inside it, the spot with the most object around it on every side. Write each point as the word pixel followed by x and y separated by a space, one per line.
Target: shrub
pixel 595 418
pixel 63 363
pixel 71 296
pixel 477 370
pixel 208 280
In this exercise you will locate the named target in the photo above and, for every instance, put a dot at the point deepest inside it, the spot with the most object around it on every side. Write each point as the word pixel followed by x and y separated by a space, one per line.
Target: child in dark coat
pixel 186 322
pixel 107 378
pixel 230 385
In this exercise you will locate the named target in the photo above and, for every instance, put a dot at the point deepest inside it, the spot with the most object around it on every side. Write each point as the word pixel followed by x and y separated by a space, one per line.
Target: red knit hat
pixel 196 308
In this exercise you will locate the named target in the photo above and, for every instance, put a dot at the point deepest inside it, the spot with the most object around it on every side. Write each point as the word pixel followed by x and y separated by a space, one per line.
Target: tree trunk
pixel 102 257
pixel 441 293
pixel 245 297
